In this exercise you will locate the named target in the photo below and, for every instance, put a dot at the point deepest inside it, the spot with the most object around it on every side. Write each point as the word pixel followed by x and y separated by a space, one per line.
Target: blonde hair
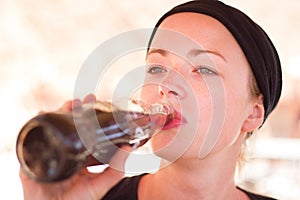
pixel 254 93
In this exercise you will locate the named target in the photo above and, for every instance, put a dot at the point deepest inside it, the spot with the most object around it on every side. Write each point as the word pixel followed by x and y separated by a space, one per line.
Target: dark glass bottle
pixel 55 145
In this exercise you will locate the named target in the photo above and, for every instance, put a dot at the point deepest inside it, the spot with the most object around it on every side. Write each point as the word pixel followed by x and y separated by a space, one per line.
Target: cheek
pixel 221 122
pixel 149 93
pixel 237 95
pixel 238 101
pixel 236 109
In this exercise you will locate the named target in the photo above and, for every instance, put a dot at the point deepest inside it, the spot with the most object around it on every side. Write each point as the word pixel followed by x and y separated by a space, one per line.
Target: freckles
pixel 210 99
pixel 213 115
pixel 237 99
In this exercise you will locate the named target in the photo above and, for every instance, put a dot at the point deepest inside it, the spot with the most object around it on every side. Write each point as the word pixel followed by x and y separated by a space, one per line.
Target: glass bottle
pixel 55 145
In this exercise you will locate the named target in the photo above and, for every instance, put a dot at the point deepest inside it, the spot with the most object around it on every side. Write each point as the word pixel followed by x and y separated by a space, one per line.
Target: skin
pixel 84 185
pixel 193 92
pixel 189 174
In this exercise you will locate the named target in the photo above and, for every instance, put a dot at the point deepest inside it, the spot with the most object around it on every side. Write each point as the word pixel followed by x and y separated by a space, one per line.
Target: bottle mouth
pixel 37 152
pixel 160 113
pixel 40 153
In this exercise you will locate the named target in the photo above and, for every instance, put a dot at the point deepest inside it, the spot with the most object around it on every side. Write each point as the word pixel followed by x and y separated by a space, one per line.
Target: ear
pixel 256 117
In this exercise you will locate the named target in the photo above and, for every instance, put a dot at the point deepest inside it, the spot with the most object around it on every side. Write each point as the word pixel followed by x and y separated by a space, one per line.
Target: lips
pixel 177 121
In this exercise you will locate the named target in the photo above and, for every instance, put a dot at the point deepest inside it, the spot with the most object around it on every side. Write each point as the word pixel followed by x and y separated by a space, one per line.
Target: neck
pixel 199 178
pixel 208 178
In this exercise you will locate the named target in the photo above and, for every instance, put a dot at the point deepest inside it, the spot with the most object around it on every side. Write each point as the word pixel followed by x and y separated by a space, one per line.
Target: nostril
pixel 161 93
pixel 173 92
pixel 167 91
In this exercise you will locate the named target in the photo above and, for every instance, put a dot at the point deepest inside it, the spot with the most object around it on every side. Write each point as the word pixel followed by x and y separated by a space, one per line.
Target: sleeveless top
pixel 127 189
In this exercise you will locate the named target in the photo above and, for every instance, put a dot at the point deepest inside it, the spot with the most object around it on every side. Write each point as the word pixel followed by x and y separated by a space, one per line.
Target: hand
pixel 83 185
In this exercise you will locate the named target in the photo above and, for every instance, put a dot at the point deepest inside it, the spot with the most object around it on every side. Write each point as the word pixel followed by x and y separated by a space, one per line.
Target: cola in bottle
pixel 55 145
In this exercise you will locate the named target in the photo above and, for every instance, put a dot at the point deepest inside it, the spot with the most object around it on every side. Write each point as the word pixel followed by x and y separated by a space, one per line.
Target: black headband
pixel 255 43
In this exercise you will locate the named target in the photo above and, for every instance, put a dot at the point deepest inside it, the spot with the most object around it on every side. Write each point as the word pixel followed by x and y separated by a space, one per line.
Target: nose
pixel 174 83
pixel 170 91
pixel 165 91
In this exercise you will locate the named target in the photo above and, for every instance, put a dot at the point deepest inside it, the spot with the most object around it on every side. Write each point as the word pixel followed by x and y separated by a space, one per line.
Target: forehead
pixel 181 32
pixel 196 26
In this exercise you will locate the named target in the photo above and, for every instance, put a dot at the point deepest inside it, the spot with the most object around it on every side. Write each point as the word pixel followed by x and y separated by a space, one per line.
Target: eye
pixel 204 70
pixel 156 69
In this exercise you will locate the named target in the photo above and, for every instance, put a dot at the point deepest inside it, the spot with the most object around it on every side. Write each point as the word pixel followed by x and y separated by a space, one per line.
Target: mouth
pixel 176 121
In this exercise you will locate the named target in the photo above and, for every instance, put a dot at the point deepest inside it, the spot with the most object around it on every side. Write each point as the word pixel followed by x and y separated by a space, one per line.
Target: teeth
pixel 156 108
pixel 159 109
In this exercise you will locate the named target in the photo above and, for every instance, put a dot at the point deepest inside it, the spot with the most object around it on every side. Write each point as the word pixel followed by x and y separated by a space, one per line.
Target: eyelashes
pixel 202 70
pixel 205 70
pixel 156 69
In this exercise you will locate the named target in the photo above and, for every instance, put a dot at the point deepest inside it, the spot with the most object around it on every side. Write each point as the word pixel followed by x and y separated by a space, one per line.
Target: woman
pixel 222 75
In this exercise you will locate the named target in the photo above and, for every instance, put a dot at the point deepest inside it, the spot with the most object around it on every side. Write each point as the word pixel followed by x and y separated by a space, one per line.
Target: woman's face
pixel 196 65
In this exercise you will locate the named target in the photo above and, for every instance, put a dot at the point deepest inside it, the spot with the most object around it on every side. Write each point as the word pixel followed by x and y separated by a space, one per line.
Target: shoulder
pixel 126 189
pixel 254 196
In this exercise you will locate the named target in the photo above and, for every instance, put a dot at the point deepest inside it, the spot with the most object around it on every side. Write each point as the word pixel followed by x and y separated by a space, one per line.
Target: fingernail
pixel 76 103
pixel 89 98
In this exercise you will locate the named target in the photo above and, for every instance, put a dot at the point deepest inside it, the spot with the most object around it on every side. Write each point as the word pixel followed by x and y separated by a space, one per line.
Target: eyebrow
pixel 193 52
pixel 196 52
pixel 159 51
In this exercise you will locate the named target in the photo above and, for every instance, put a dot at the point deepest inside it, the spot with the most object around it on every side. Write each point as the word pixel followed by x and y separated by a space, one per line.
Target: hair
pixel 258 48
pixel 266 77
pixel 254 89
pixel 254 93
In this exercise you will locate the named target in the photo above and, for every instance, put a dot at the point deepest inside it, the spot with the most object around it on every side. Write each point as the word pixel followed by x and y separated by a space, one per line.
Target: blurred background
pixel 43 44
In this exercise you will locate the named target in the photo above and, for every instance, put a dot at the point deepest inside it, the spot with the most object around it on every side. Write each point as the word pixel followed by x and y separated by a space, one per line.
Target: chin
pixel 168 147
pixel 162 140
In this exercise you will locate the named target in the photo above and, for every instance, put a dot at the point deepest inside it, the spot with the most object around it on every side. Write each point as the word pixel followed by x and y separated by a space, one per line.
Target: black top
pixel 127 189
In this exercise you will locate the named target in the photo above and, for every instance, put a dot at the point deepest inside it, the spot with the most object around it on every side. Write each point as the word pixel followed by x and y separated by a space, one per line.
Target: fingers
pixel 90 98
pixel 28 186
pixel 70 105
